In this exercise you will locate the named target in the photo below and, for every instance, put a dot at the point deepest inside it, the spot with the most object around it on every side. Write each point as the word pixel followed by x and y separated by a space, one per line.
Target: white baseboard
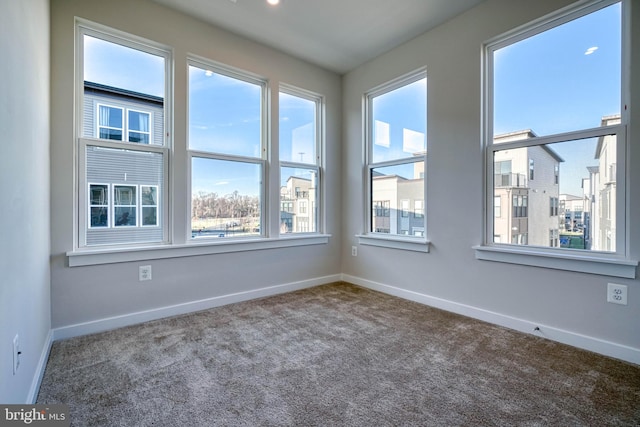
pixel 109 323
pixel 39 373
pixel 596 345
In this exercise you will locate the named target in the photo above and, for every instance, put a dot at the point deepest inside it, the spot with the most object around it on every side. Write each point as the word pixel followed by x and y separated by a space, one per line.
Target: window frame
pixel 81 202
pixel 615 263
pixel 369 236
pixel 317 166
pixel 173 210
pixel 261 161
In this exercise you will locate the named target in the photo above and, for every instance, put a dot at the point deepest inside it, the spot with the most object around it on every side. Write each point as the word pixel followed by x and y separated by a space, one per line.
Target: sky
pixel 561 80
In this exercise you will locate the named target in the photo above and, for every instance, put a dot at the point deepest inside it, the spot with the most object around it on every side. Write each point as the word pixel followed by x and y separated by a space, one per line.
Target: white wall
pixel 24 192
pixel 87 294
pixel 568 306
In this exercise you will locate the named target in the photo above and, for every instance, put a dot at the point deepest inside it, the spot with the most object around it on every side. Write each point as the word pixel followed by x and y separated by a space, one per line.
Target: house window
pixel 418 209
pixel 404 207
pixel 122 163
pixel 149 205
pixel 553 203
pixel 300 124
pixel 226 150
pixel 112 124
pixel 497 208
pixel 554 241
pixel 396 150
pixel 99 205
pixel 557 122
pixel 520 206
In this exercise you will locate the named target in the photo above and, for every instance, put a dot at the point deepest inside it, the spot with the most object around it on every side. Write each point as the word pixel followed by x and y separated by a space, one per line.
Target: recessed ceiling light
pixel 273 2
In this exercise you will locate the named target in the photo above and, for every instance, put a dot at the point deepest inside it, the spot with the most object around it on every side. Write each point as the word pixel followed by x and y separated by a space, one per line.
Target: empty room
pixel 297 212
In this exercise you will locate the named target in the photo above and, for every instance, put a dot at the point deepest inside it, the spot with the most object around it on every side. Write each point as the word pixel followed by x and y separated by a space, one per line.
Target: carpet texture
pixel 334 355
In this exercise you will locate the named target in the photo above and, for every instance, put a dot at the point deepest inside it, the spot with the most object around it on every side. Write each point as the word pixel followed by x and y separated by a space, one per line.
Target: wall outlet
pixel 16 354
pixel 354 251
pixel 144 272
pixel 617 294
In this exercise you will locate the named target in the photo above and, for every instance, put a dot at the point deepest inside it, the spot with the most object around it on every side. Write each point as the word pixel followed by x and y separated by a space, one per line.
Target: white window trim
pixel 129 130
pixel 107 205
pixel 84 27
pixel 99 126
pixel 369 237
pixel 103 255
pixel 156 205
pixel 616 264
pixel 244 76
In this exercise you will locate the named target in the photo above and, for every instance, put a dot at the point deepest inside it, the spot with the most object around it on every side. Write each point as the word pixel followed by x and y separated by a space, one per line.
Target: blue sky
pixel 564 79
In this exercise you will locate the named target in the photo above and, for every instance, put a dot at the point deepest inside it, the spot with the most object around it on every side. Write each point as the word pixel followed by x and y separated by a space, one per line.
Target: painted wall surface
pixel 84 294
pixel 451 53
pixel 24 191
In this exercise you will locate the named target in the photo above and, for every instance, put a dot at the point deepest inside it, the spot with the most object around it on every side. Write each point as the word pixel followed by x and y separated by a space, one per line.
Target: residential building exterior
pixel 298 205
pixel 526 193
pixel 603 191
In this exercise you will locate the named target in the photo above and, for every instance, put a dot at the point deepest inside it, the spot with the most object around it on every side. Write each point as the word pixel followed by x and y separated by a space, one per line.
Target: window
pixel 553 203
pixel 404 207
pixel 226 151
pixel 553 238
pixel 396 153
pixel 123 157
pixel 497 208
pixel 99 205
pixel 418 209
pixel 300 135
pixel 563 123
pixel 111 124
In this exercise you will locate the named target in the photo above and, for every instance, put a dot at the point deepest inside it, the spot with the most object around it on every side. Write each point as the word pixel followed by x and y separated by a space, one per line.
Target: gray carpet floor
pixel 334 355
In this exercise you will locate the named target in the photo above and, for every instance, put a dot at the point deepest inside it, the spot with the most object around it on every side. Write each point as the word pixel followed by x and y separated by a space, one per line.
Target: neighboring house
pixel 526 193
pixel 123 186
pixel 298 205
pixel 398 203
pixel 603 191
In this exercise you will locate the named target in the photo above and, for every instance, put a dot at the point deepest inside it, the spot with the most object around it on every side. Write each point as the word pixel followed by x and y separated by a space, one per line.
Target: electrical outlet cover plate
pixel 617 294
pixel 144 272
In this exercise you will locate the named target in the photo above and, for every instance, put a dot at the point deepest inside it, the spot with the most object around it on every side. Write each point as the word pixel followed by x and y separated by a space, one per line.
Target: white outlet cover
pixel 144 273
pixel 617 294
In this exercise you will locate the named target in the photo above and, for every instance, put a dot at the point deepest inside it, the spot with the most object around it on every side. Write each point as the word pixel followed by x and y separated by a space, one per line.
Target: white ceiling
pixel 335 34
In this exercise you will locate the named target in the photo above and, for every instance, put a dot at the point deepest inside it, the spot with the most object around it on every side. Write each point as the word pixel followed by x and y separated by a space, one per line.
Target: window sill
pixel 416 244
pixel 84 257
pixel 592 264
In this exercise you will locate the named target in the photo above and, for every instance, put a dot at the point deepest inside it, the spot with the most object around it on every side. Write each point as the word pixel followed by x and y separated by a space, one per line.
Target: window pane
pixel 399 122
pixel 122 77
pixel 110 117
pixel 125 216
pixel 225 198
pixel 113 134
pixel 149 216
pixel 99 217
pixel 574 192
pixel 297 129
pixel 127 172
pixel 564 79
pixel 224 114
pixel 298 200
pixel 390 186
